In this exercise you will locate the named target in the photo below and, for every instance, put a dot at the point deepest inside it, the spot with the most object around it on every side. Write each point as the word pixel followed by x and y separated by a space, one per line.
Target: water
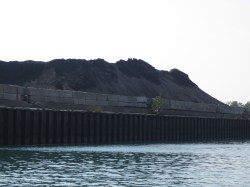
pixel 214 164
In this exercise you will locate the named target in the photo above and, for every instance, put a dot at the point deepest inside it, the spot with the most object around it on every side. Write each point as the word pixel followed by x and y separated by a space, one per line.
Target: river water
pixel 202 164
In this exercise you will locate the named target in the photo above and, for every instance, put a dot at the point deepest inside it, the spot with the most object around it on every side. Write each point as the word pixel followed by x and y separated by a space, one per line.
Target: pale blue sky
pixel 207 39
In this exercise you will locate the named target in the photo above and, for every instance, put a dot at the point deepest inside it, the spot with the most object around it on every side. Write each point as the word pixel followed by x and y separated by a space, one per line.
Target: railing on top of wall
pixel 33 95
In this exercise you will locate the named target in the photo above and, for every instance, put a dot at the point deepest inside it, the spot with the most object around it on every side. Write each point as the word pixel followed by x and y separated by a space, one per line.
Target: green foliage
pixel 157 104
pixel 235 104
pixel 93 108
pixel 247 106
pixel 239 104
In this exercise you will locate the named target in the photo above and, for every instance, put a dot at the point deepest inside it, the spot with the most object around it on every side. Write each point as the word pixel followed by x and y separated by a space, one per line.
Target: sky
pixel 207 39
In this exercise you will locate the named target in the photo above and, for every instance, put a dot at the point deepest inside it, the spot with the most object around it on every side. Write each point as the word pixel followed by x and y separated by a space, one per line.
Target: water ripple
pixel 137 165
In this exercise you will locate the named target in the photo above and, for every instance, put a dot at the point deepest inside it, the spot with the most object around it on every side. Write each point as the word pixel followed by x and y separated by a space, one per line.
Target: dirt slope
pixel 132 77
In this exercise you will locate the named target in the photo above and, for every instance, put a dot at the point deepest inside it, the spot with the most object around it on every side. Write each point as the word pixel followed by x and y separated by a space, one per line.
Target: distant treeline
pixel 239 104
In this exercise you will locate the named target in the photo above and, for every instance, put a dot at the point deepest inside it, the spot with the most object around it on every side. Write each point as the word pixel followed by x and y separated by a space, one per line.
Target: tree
pixel 247 106
pixel 239 104
pixel 157 104
pixel 235 104
pixel 246 113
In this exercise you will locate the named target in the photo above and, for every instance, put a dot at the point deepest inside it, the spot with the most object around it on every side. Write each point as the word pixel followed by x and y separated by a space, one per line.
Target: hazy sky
pixel 207 39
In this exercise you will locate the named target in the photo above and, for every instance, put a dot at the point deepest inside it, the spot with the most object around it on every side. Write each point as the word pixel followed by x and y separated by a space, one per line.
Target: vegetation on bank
pixel 239 104
pixel 157 104
pixel 94 108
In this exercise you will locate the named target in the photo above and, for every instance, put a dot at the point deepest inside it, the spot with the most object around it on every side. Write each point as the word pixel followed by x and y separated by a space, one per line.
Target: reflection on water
pixel 136 165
